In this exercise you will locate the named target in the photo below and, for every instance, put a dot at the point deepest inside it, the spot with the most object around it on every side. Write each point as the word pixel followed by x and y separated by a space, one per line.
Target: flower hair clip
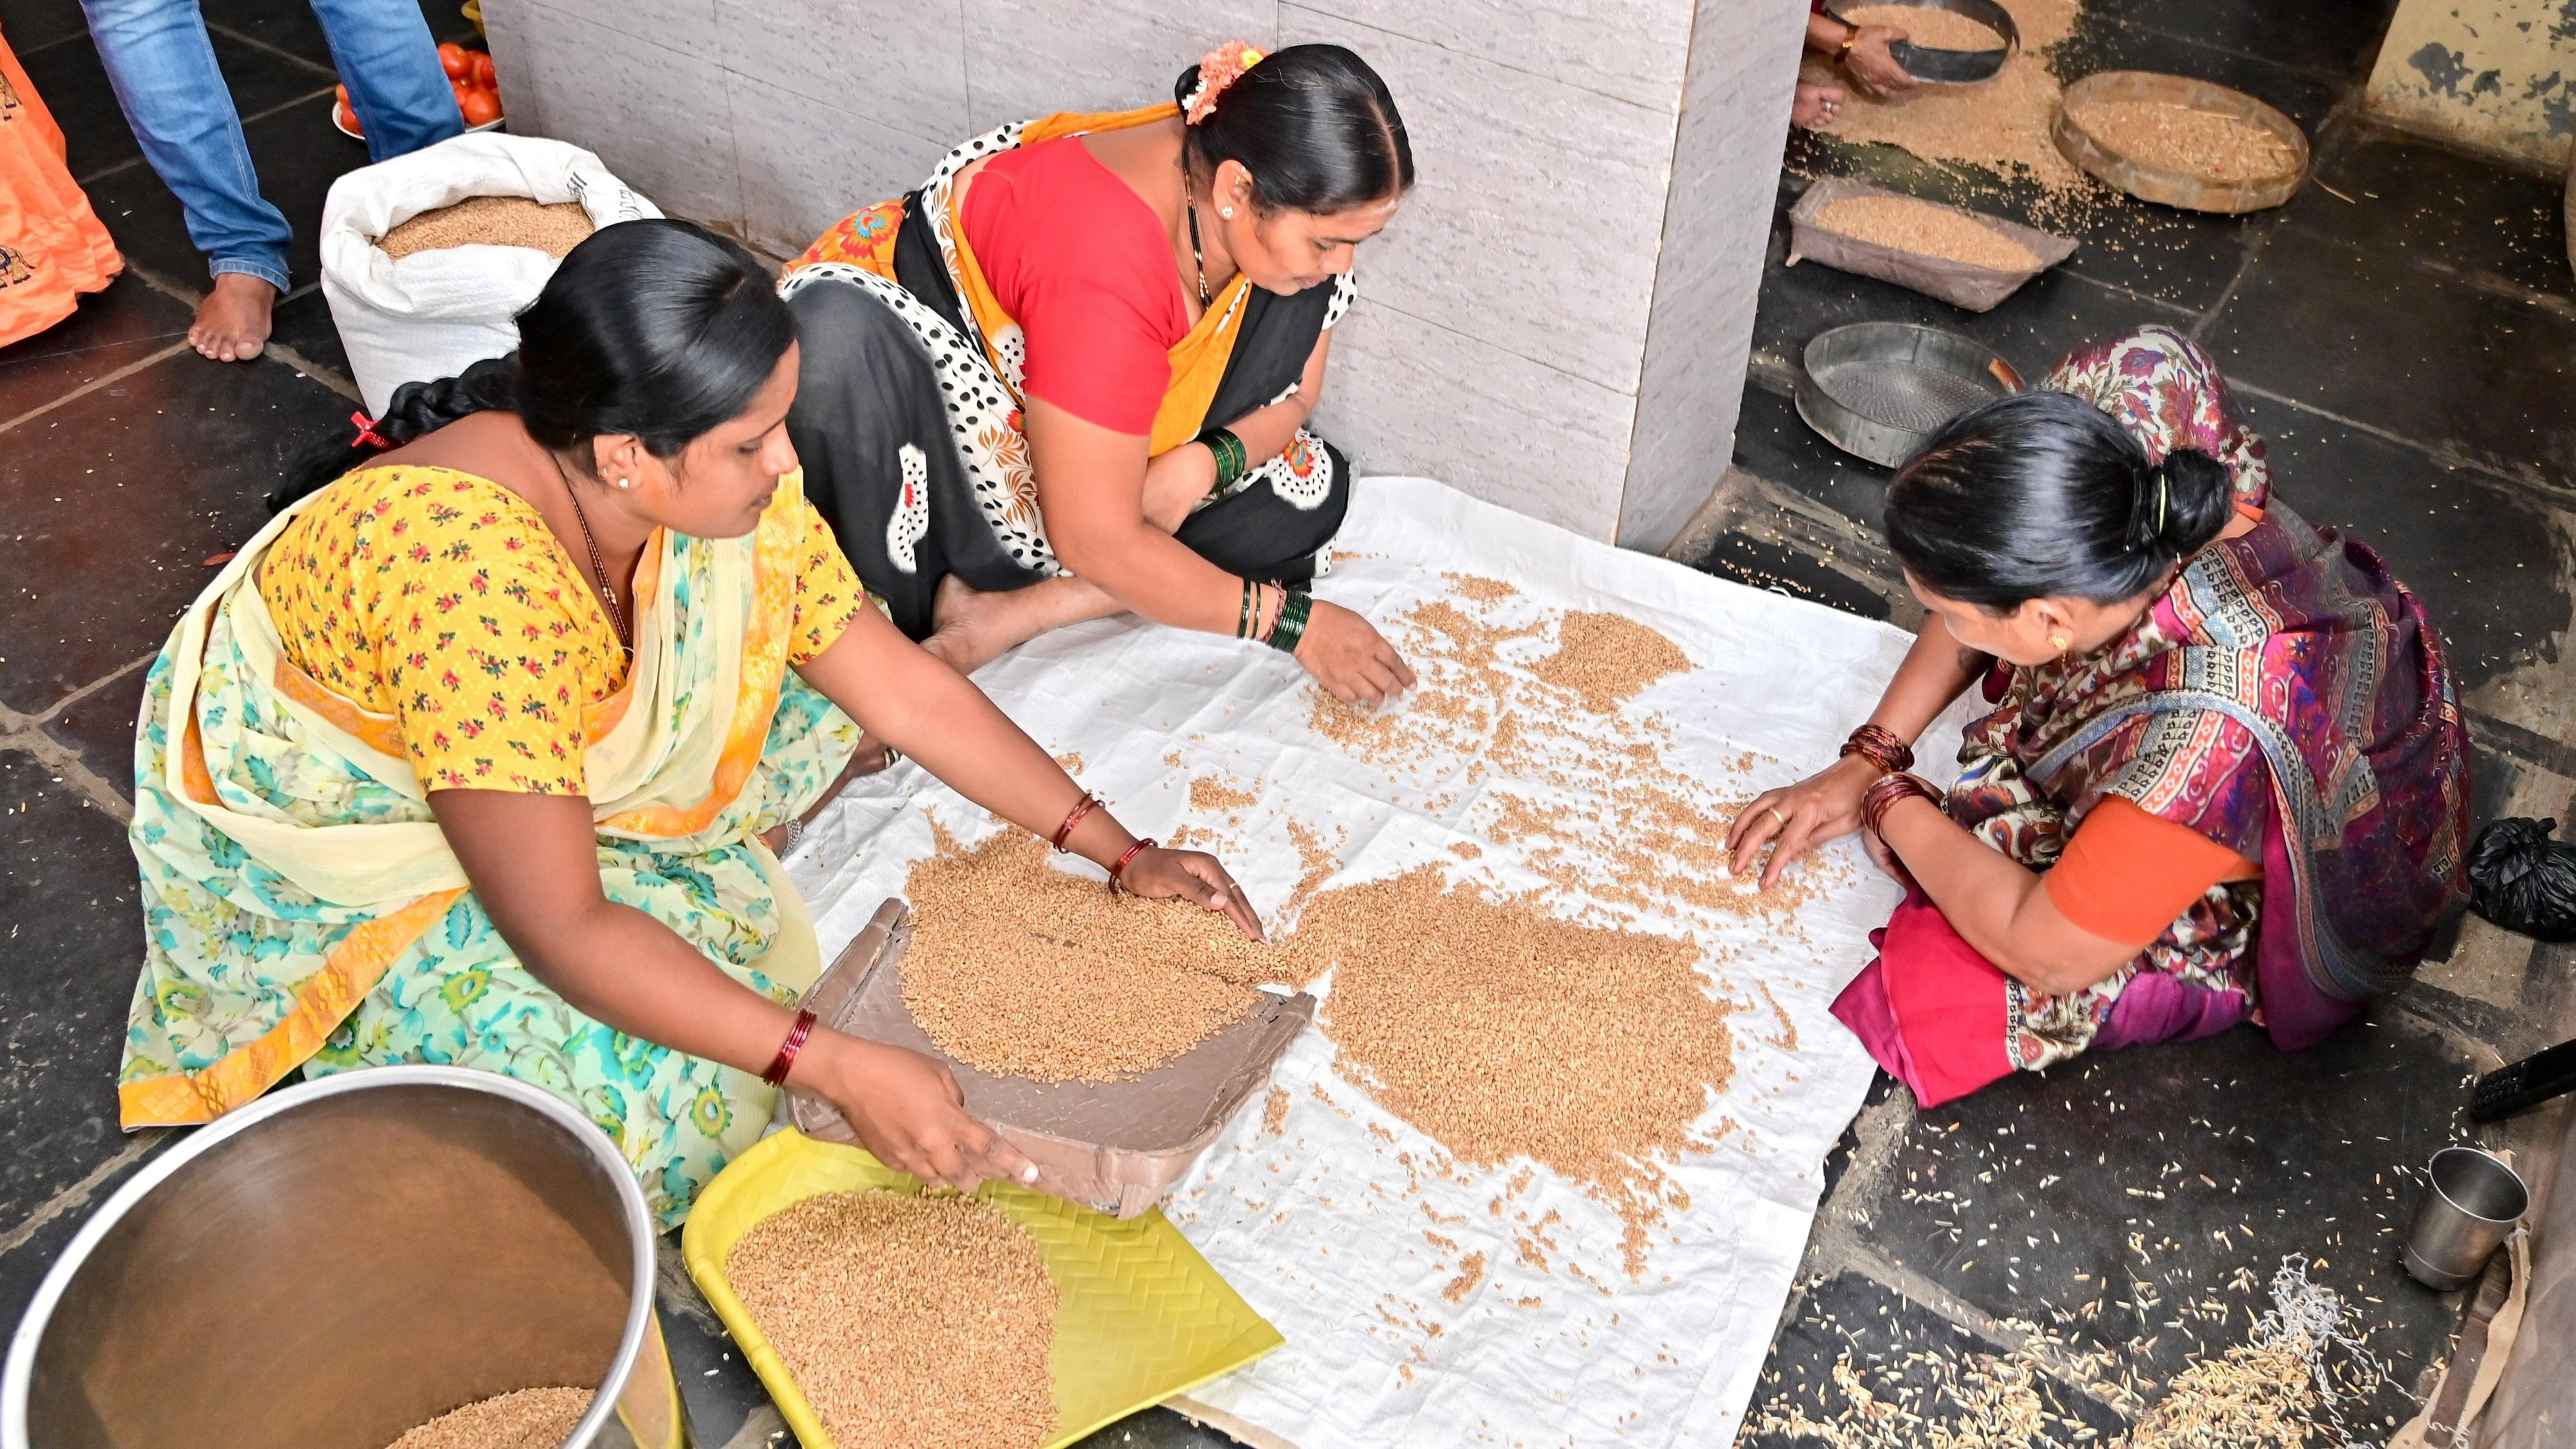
pixel 1218 69
pixel 367 434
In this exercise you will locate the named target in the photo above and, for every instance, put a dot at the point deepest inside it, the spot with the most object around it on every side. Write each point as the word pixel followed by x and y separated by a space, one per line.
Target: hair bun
pixel 2194 496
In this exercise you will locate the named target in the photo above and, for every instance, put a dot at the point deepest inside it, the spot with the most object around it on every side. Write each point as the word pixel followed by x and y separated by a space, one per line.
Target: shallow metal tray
pixel 1876 390
pixel 1958 67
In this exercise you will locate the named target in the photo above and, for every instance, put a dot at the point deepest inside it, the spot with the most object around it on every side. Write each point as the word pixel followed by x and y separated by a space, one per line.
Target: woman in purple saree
pixel 2224 779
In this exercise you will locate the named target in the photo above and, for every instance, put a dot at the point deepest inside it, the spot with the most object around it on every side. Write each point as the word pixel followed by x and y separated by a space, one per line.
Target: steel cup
pixel 2474 1201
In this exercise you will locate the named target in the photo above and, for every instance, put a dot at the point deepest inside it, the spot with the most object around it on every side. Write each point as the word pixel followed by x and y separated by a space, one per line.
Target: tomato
pixel 483 77
pixel 348 118
pixel 452 58
pixel 482 107
pixel 343 93
pixel 460 90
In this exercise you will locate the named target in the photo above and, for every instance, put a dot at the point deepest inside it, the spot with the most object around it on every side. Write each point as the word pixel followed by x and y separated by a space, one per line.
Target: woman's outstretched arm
pixel 1937 670
pixel 533 861
pixel 906 696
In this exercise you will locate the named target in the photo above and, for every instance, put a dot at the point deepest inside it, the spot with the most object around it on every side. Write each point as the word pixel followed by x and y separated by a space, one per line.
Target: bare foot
pixel 232 323
pixel 873 756
pixel 1816 106
pixel 959 617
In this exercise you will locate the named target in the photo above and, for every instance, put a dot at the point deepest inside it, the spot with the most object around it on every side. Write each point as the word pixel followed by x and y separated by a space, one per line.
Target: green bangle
pixel 1290 626
pixel 1231 459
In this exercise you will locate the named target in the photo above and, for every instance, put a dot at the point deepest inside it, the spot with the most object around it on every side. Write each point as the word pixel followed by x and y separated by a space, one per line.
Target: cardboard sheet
pixel 1332 1225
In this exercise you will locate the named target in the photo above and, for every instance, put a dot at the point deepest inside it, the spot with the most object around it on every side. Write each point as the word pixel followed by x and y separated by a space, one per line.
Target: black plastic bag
pixel 2524 881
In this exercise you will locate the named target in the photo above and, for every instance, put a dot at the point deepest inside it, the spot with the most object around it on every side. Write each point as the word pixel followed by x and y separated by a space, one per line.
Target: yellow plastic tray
pixel 1140 1316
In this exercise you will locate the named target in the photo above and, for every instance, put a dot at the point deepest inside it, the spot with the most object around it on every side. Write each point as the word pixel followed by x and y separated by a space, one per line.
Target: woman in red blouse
pixel 1069 377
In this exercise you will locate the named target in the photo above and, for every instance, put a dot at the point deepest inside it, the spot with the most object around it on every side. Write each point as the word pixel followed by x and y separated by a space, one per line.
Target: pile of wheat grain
pixel 906 1320
pixel 492 221
pixel 1925 26
pixel 1505 1033
pixel 2177 138
pixel 1024 970
pixel 1926 229
pixel 526 1419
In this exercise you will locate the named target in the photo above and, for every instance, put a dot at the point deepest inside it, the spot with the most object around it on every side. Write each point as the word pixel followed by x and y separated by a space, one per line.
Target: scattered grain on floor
pixel 1274 1112
pixel 1506 1033
pixel 1926 230
pixel 526 1419
pixel 2170 137
pixel 1024 970
pixel 2001 124
pixel 492 221
pixel 906 1319
pixel 1471 1271
pixel 1925 26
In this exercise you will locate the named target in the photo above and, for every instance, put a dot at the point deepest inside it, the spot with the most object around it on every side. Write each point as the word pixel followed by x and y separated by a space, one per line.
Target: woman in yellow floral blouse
pixel 466 758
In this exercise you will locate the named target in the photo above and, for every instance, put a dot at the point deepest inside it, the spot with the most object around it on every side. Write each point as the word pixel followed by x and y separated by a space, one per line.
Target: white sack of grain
pixel 432 313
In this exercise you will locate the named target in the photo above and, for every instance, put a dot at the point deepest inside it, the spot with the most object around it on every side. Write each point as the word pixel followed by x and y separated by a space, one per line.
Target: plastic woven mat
pixel 1140 1316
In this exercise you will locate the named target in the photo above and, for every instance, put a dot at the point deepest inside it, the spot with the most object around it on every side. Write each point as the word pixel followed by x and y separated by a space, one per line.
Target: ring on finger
pixel 1776 815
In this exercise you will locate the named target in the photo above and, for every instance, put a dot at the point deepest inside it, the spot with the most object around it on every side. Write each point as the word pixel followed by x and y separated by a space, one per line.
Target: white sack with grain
pixel 1437 1281
pixel 431 314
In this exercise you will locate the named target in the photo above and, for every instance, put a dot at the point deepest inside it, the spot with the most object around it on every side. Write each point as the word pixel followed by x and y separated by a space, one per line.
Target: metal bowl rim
pixel 2432 1179
pixel 17 1381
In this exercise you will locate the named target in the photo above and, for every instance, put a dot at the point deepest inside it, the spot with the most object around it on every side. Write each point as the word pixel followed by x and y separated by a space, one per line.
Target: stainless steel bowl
pixel 1878 389
pixel 342 1260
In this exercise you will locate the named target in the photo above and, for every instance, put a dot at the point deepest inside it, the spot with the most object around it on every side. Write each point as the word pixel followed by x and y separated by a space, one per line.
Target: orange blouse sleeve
pixel 2126 874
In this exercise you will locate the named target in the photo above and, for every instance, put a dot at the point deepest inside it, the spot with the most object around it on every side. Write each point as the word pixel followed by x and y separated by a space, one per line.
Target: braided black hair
pixel 657 328
pixel 2043 495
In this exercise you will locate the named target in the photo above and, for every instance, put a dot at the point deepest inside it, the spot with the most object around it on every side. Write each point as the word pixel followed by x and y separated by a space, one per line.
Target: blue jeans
pixel 163 67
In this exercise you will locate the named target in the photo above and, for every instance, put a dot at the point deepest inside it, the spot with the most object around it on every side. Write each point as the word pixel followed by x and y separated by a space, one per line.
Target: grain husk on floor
pixel 906 1320
pixel 525 1419
pixel 492 221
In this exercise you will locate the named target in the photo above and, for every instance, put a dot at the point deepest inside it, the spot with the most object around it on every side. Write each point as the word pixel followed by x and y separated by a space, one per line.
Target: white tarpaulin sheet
pixel 1345 1225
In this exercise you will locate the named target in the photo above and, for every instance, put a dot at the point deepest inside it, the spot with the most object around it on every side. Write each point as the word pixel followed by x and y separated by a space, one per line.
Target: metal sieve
pixel 1877 389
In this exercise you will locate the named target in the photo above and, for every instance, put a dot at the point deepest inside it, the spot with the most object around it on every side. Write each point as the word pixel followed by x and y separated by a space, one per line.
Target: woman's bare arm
pixel 906 696
pixel 1997 904
pixel 1937 670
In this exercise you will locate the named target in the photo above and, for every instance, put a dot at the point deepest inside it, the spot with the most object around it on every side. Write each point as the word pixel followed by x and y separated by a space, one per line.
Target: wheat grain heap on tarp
pixel 1597 1262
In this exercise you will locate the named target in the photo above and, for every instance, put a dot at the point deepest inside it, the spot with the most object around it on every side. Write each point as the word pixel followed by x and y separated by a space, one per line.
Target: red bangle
pixel 1882 796
pixel 788 1049
pixel 1880 747
pixel 1084 806
pixel 1118 872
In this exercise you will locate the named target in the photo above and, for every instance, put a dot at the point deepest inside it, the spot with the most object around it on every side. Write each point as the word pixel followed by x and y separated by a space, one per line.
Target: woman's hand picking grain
pixel 1348 656
pixel 1160 874
pixel 907 1109
pixel 1818 808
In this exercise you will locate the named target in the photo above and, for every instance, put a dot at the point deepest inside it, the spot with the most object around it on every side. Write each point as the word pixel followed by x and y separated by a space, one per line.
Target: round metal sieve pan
pixel 1958 67
pixel 1878 389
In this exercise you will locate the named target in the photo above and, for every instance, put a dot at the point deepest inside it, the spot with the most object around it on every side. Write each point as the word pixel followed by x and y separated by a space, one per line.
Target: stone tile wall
pixel 1557 321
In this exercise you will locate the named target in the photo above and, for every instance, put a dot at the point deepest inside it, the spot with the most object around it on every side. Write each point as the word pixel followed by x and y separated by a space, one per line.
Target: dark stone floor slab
pixel 1899 1351
pixel 74 941
pixel 1775 444
pixel 2439 209
pixel 34 24
pixel 2430 358
pixel 74 86
pixel 290 26
pixel 99 727
pixel 23 1268
pixel 297 155
pixel 303 322
pixel 1765 565
pixel 110 505
pixel 113 328
pixel 2232 1158
pixel 2326 37
pixel 2490 564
